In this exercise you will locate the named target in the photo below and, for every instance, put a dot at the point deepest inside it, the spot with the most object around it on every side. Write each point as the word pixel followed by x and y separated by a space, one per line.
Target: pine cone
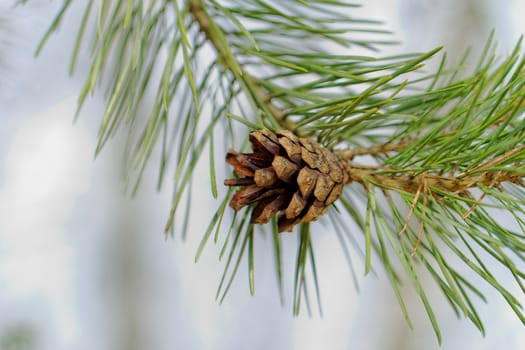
pixel 285 174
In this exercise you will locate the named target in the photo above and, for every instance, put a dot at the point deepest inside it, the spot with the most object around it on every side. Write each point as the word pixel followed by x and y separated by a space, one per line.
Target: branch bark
pixel 410 181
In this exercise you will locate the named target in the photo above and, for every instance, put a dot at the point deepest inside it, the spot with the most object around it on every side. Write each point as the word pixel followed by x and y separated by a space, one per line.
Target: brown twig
pixel 421 224
pixel 494 161
pixel 409 181
pixel 474 206
pixel 411 211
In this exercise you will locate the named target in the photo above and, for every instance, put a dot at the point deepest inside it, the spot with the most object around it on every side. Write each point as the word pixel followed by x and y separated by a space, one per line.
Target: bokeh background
pixel 83 266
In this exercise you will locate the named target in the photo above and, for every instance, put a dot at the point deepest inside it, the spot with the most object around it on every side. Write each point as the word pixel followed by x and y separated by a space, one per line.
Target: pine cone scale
pixel 265 177
pixel 306 180
pixel 246 196
pixel 311 158
pixel 293 150
pixel 296 206
pixel 267 208
pixel 335 193
pixel 234 159
pixel 284 168
pixel 245 181
pixel 323 188
pixel 316 209
pixel 265 141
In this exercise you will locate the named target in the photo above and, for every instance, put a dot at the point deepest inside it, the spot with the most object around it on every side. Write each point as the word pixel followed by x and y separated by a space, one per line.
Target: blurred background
pixel 82 266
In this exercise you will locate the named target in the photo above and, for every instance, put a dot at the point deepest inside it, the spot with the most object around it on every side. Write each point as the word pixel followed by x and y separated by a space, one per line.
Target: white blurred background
pixel 84 267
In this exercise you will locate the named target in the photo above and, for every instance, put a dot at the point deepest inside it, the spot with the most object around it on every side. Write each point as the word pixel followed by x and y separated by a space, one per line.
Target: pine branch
pixel 442 186
pixel 434 156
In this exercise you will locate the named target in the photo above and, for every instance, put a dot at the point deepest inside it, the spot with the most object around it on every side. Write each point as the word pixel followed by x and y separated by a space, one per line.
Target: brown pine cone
pixel 294 176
